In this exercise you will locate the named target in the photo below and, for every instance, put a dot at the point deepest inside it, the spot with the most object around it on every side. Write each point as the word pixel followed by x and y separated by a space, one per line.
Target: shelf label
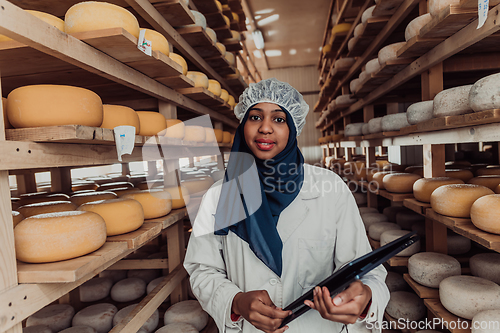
pixel 482 9
pixel 143 44
pixel 124 139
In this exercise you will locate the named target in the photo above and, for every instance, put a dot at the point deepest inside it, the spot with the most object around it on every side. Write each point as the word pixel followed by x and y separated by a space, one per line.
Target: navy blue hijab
pixel 277 191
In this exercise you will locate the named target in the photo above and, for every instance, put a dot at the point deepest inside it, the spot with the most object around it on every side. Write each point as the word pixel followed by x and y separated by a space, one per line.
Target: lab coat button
pixel 273 282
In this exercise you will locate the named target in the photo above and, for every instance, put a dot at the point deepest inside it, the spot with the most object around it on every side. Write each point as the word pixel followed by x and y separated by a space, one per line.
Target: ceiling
pixel 292 29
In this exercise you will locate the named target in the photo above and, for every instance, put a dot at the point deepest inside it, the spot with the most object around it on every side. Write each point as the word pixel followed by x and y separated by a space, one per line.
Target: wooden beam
pixel 434 159
pixel 60 179
pixel 176 252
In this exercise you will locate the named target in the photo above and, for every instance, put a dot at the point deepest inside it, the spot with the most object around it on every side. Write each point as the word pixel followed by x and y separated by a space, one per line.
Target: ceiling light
pixel 272 32
pixel 257 17
pixel 258 39
pixel 268 20
pixel 264 11
pixel 293 51
pixel 273 53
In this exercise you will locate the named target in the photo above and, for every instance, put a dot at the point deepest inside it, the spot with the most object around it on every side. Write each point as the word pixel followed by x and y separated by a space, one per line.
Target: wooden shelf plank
pixel 488 240
pixel 141 236
pixel 236 82
pixel 398 261
pixel 202 96
pixel 172 217
pixel 199 41
pixel 215 19
pixel 127 264
pixel 449 21
pixel 392 67
pixel 176 82
pixel 232 45
pixel 176 12
pixel 395 197
pixel 449 320
pixel 386 7
pixel 206 7
pixel 223 32
pixel 446 220
pixel 420 290
pixel 418 46
pixel 416 206
pixel 221 64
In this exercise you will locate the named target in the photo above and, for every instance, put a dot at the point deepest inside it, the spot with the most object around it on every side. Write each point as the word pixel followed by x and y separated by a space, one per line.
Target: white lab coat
pixel 321 231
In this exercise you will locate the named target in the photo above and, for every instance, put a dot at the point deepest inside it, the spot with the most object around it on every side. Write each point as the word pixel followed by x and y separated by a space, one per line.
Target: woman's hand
pixel 344 308
pixel 258 309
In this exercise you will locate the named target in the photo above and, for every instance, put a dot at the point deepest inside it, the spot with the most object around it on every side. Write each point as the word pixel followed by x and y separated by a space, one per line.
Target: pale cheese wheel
pixel 484 94
pixel 344 62
pixel 16 217
pixel 452 102
pixel 39 328
pixel 465 296
pixel 418 112
pixel 152 123
pixel 79 329
pixel 177 328
pixel 375 125
pixel 81 198
pixel 436 6
pixel 114 275
pixel 219 136
pixel 95 289
pixel 406 305
pixel 48 18
pixel 226 137
pixel 365 129
pixel 179 60
pixel 389 52
pixel 195 133
pixel 199 19
pixel 490 170
pixel 423 187
pixel 363 76
pixel 395 282
pixel 486 266
pixel 211 33
pixel 359 29
pixel 430 268
pixel 486 322
pixel 153 284
pixel 155 203
pixel 180 196
pixel 98 316
pixel 221 47
pixel 354 85
pixel 128 290
pixel 372 66
pixel 56 316
pixel 158 41
pixel 117 115
pixel 355 129
pixel 198 186
pixel 400 182
pixel 93 15
pixel 378 178
pixel 224 95
pixel 458 244
pixel 214 87
pixel 484 213
pixel 146 275
pixel 175 129
pixel 462 174
pixel 360 198
pixel 368 13
pixel 394 122
pixel 392 211
pixel 406 218
pixel 187 312
pixel 230 58
pixel 352 43
pixel 199 79
pixel 121 215
pixel 33 106
pixel 376 229
pixel 365 210
pixel 390 235
pixel 148 326
pixel 490 181
pixel 413 28
pixel 210 135
pixel 371 218
pixel 46 207
pixel 456 200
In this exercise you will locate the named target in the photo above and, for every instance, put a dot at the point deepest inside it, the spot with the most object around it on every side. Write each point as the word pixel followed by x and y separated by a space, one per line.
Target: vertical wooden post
pixel 220 157
pixel 392 108
pixel 26 183
pixel 176 252
pixel 348 151
pixel 125 169
pixel 60 180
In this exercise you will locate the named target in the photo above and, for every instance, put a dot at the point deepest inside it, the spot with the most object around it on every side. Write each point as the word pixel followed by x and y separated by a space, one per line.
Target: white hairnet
pixel 277 92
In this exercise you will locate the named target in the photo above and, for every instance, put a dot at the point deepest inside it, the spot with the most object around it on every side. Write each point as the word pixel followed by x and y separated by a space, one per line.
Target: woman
pixel 276 227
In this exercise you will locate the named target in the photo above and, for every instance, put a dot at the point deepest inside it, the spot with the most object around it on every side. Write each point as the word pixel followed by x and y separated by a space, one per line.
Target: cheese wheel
pixel 365 210
pixel 26 200
pixel 360 198
pixel 417 169
pixel 465 296
pixel 352 43
pixel 33 106
pixel 344 100
pixel 372 66
pixel 486 322
pixel 368 13
pixel 394 167
pixel 390 235
pixel 226 19
pixel 117 115
pixel 236 18
pixel 436 6
pixel 199 79
pixel 199 19
pixel 152 123
pixel 378 179
pixel 230 58
pixel 418 112
pixel 457 244
pixel 46 207
pixel 155 203
pixel 120 192
pixel 150 324
pixel 406 305
pixel 363 76
pixel 231 101
pixel 484 94
pixel 158 41
pixel 211 33
pixel 365 129
pixel 338 28
pixel 392 211
pixel 83 186
pixel 389 52
pixel 406 218
pixel 355 129
pixel 214 87
pixel 400 182
pixel 452 102
pixel 490 170
pixel 224 95
pixel 430 268
pixel 462 174
pixel 218 135
pixel 195 133
pixel 39 328
pixel 16 217
pixel 413 28
pixel 484 213
pixel 121 215
pixel 48 18
pixel 371 218
pixel 92 15
pixel 423 187
pixel 180 60
pixel 376 229
pixel 187 312
pixel 490 181
pixel 395 282
pixel 81 198
pixel 456 200
pixel 180 196
pixel 221 47
pixel 98 316
pixel 114 275
pixel 226 137
pixel 359 29
pixel 354 85
pixel 153 284
pixel 198 186
pixel 486 266
pixel 375 125
pixel 95 289
pixel 175 129
pixel 128 290
pixel 56 316
pixel 78 329
pixel 394 122
pixel 177 328
pixel 113 185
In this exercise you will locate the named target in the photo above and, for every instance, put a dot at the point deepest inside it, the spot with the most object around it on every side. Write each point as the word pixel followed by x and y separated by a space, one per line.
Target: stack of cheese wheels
pixel 121 215
pixel 98 316
pixel 148 327
pixel 484 213
pixel 413 28
pixel 389 52
pixel 400 182
pixel 487 316
pixel 47 18
pixel 16 217
pixel 490 181
pixel 95 289
pixel 486 266
pixel 418 112
pixel 46 208
pixel 158 41
pixel 390 235
pixel 90 15
pixel 180 196
pixel 430 268
pixel 224 95
pixel 195 133
pixel 177 327
pixel 395 282
pixel 436 6
pixel 371 218
pixel 58 236
pixel 33 106
pixel 376 229
pixel 462 174
pixel 152 123
pixel 452 102
pixel 197 186
pixel 175 129
pixel 81 198
pixel 117 115
pixel 211 33
pixel 56 317
pixel 482 95
pixel 226 137
pixel 423 187
pixel 199 79
pixel 155 203
pixel 189 312
pixel 128 289
pixel 179 60
pixel 214 87
pixel 489 170
pixel 456 200
pixel 465 296
pixel 406 305
pixel 115 276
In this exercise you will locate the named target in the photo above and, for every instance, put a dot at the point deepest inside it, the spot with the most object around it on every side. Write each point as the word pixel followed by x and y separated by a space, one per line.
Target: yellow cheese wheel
pixel 199 79
pixel 210 135
pixel 107 186
pixel 492 170
pixel 219 5
pixel 214 87
pixel 5 117
pixel 17 217
pixel 230 58
pixel 155 203
pixel 180 196
pixel 236 18
pixel 195 133
pixel 224 95
pixel 211 33
pixel 197 186
pixel 84 186
pixel 231 101
pixel 180 60
pixel 342 27
pixel 46 207
pixel 175 129
pixel 236 35
pixel 117 115
pixel 121 215
pixel 484 213
pixel 81 198
pixel 218 135
pixel 48 18
pixel 490 181
pixel 120 192
pixel 158 41
pixel 378 178
pixel 31 199
pixel 221 47
pixel 462 174
pixel 423 187
pixel 350 167
pixel 58 236
pixel 93 15
pixel 400 182
pixel 226 137
pixel 152 123
pixel 227 20
pixel 149 184
pixel 456 200
pixel 35 106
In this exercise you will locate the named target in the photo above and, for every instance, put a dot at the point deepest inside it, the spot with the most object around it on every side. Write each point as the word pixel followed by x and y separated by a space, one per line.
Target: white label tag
pixel 125 140
pixel 143 44
pixel 482 10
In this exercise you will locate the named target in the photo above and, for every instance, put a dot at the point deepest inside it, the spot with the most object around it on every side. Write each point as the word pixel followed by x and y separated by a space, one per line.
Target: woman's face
pixel 266 131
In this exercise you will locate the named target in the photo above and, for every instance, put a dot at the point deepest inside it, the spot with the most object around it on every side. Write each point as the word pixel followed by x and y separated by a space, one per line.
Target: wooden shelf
pixel 202 96
pixel 449 21
pixel 176 12
pixel 418 46
pixel 232 45
pixel 395 197
pixel 176 82
pixel 416 206
pixel 420 290
pixel 371 29
pixel 386 7
pixel 448 221
pixel 199 40
pixel 398 261
pixel 141 236
pixel 449 320
pixel 206 6
pixel 464 120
